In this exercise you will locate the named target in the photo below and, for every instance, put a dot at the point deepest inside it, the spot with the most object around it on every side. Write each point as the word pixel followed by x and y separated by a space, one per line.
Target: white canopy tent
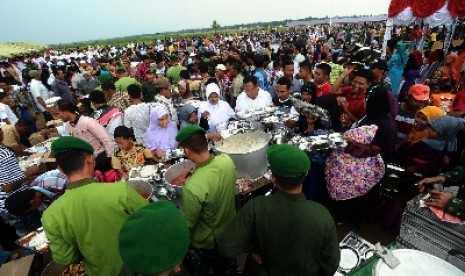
pixel 404 13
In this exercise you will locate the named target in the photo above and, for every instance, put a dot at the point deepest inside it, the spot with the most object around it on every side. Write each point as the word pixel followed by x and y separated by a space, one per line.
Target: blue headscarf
pixel 447 127
pixel 403 57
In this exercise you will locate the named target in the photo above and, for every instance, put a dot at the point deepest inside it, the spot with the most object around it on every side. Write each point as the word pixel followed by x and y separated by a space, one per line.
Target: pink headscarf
pixel 159 137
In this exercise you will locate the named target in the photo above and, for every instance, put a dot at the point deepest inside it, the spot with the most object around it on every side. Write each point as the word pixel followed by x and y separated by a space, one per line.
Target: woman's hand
pixel 438 199
pixel 345 120
pixel 429 180
pixel 124 176
pixel 344 104
pixel 159 153
pixel 349 140
pixel 205 115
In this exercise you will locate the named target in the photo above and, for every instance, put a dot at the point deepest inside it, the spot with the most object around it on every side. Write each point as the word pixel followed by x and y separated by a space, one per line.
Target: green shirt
pixel 173 73
pixel 209 200
pixel 84 224
pixel 336 71
pixel 123 83
pixel 456 207
pixel 293 236
pixel 456 177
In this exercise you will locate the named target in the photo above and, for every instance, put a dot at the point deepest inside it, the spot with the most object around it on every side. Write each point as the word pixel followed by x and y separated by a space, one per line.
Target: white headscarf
pixel 212 88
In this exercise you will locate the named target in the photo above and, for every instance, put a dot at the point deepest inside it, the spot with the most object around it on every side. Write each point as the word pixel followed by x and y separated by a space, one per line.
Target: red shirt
pixel 141 72
pixel 356 101
pixel 323 89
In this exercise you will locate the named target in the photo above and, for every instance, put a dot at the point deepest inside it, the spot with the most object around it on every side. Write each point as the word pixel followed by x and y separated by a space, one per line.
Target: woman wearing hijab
pixel 353 171
pixel 187 115
pixel 430 155
pixel 396 66
pixel 214 110
pixel 448 70
pixel 411 73
pixel 377 110
pixel 329 102
pixel 422 118
pixel 162 131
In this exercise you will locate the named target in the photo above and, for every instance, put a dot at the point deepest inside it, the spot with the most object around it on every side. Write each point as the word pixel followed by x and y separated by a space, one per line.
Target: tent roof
pixel 376 18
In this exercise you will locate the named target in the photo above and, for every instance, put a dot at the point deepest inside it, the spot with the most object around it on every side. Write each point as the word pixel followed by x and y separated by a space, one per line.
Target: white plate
pixel 349 259
pixel 147 171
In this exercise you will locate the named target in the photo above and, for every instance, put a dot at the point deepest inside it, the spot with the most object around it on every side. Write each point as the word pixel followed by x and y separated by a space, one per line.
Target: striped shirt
pixel 9 173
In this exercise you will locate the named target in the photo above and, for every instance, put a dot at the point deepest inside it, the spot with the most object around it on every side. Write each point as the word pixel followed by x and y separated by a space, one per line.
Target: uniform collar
pixel 294 197
pixel 80 183
pixel 199 165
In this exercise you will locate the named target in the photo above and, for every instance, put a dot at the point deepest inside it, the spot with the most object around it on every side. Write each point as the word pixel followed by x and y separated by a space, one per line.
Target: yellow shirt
pixel 432 37
pixel 127 160
pixel 170 49
pixel 10 136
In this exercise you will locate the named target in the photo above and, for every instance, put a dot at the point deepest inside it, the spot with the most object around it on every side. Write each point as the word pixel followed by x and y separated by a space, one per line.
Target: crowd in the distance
pixel 130 106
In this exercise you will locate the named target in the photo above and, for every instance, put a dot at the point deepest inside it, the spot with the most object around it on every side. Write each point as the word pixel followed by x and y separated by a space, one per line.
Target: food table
pixel 40 155
pixel 394 259
pixel 424 238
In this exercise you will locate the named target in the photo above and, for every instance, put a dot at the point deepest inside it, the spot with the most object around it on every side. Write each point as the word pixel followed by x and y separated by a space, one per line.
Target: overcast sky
pixel 58 21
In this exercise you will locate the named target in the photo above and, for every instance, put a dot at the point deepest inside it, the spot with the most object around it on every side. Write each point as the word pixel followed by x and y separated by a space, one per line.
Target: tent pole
pixel 449 36
pixel 387 36
pixel 423 38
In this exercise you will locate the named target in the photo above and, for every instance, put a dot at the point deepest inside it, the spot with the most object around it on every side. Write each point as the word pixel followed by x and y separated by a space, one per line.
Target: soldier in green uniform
pixel 208 203
pixel 445 200
pixel 284 233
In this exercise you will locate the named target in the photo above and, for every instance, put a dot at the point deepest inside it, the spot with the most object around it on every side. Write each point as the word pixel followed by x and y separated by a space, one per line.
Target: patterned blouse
pixel 119 100
pixel 127 160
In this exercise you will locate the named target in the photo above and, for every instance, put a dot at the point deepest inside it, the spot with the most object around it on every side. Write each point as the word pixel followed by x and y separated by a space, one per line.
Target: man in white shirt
pixel 40 93
pixel 137 116
pixel 253 96
pixel 76 78
pixel 6 114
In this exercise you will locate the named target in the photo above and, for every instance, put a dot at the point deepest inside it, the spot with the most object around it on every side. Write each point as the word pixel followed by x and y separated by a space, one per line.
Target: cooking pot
pixel 142 187
pixel 176 170
pixel 280 136
pixel 252 164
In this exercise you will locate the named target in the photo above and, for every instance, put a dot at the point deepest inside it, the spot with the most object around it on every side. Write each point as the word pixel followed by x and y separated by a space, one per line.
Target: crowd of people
pixel 122 108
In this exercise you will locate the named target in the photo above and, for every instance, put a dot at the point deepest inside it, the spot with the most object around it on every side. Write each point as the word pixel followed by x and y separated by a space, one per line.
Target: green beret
pixel 120 70
pixel 66 143
pixel 105 78
pixel 287 160
pixel 154 238
pixel 187 131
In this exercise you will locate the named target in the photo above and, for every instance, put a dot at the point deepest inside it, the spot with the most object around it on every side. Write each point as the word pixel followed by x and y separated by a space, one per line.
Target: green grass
pixel 10 49
pixel 123 41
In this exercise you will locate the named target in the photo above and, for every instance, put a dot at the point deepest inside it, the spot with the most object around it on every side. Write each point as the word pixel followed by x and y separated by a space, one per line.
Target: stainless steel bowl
pixel 142 187
pixel 176 170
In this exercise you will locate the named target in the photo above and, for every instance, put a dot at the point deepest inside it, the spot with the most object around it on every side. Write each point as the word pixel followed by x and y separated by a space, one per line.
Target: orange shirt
pixel 443 100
